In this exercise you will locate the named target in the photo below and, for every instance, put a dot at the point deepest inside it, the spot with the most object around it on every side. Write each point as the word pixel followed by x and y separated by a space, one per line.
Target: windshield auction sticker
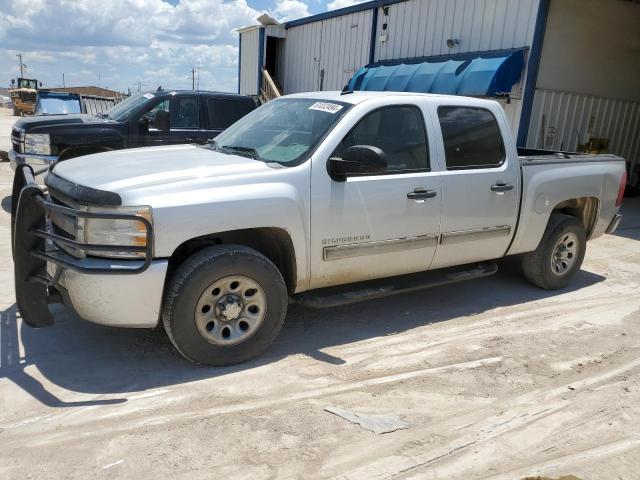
pixel 326 107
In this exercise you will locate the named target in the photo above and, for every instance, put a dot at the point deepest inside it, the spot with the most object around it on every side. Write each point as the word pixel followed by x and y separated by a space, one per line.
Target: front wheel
pixel 559 254
pixel 224 305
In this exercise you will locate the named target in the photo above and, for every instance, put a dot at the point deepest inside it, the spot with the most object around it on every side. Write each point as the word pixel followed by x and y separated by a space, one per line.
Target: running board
pixel 385 287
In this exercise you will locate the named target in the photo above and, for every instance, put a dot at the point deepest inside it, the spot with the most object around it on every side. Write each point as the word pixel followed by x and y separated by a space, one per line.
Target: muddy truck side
pixel 321 198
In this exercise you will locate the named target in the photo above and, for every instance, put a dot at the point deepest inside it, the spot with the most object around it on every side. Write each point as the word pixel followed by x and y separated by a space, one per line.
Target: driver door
pixel 171 121
pixel 374 226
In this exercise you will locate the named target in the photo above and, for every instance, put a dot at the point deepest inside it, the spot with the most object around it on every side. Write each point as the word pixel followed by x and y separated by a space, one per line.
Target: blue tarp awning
pixel 482 74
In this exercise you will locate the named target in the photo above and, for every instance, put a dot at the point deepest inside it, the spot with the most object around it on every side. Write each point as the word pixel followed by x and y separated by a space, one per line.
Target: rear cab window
pixel 224 112
pixel 472 138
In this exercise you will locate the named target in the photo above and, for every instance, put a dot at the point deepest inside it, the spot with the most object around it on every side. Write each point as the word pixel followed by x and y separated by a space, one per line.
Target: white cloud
pixel 124 41
pixel 342 3
pixel 290 10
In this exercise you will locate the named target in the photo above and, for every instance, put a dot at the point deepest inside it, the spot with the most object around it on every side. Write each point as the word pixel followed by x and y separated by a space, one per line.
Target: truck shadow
pixel 78 356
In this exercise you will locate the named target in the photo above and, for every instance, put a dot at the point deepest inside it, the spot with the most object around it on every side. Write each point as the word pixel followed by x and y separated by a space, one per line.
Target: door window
pixel 399 132
pixel 173 113
pixel 472 138
pixel 224 112
pixel 155 121
pixel 184 112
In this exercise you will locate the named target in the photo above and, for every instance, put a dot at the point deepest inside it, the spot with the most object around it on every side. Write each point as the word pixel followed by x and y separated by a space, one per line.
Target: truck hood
pixel 41 122
pixel 172 167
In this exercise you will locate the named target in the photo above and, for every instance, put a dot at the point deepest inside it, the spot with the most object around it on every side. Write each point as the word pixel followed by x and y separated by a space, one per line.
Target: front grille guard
pixel 30 234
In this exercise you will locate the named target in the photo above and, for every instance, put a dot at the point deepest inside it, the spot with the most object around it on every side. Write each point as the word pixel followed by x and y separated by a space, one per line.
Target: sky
pixel 127 44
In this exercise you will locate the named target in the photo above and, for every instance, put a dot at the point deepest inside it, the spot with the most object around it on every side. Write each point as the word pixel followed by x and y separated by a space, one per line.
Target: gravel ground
pixel 496 379
pixel 6 122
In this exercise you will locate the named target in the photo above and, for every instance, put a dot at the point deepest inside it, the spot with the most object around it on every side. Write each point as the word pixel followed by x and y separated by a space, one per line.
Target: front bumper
pixel 132 301
pixel 107 291
pixel 38 162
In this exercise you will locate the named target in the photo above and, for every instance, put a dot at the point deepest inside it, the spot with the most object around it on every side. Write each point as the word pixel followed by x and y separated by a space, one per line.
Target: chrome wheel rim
pixel 564 253
pixel 230 310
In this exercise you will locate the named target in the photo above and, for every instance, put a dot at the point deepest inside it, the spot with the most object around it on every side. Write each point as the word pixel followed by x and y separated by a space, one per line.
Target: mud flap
pixel 28 213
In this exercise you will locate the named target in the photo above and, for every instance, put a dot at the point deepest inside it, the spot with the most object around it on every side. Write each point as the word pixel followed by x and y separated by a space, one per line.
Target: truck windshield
pixel 122 110
pixel 57 105
pixel 284 131
pixel 27 83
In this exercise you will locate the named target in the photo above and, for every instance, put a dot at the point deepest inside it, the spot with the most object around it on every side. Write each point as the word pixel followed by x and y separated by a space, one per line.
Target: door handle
pixel 421 194
pixel 501 187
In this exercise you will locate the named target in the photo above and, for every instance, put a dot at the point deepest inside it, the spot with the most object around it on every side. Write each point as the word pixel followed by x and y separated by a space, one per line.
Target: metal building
pixel 578 88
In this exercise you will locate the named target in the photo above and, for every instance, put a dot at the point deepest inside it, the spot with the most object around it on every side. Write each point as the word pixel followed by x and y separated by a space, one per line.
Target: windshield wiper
pixel 244 151
pixel 102 115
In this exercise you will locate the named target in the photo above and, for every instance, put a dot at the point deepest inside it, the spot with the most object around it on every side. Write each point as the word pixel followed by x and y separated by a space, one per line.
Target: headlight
pixel 38 143
pixel 107 231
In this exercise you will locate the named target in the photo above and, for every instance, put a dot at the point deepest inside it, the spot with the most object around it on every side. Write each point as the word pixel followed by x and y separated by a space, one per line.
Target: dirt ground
pixel 496 379
pixel 6 122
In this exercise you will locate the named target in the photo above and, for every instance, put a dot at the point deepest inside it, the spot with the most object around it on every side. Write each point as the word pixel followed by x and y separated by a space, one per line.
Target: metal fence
pixel 94 104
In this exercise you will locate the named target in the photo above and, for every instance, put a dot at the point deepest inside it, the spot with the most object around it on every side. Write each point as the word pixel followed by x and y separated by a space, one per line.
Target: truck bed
pixel 532 156
pixel 568 180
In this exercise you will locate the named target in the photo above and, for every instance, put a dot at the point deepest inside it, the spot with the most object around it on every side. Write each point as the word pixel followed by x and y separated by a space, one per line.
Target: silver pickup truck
pixel 321 198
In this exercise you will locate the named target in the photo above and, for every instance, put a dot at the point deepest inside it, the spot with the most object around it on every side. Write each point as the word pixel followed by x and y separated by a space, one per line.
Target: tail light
pixel 623 184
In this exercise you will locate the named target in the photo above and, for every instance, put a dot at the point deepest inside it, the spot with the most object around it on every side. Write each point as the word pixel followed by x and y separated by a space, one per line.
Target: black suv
pixel 146 119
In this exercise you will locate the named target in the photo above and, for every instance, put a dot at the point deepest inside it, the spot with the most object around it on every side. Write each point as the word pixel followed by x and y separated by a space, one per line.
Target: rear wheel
pixel 224 305
pixel 559 254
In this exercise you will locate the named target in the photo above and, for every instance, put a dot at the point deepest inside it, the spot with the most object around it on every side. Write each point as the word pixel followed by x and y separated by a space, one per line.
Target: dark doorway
pixel 271 57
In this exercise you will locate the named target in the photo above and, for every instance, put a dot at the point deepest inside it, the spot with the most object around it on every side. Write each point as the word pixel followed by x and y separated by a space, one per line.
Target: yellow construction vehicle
pixel 23 94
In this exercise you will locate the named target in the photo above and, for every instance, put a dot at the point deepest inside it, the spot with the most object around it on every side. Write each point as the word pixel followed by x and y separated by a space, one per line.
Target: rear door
pixel 480 186
pixel 218 113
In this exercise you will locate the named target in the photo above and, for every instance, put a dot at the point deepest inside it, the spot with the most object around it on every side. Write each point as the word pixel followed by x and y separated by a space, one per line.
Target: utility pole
pixel 19 55
pixel 63 84
pixel 193 78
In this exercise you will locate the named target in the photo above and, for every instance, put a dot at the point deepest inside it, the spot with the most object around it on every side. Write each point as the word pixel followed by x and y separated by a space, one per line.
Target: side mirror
pixel 357 160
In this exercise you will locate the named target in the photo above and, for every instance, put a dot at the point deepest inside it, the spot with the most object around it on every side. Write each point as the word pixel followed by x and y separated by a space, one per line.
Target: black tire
pixel 537 265
pixel 16 112
pixel 192 278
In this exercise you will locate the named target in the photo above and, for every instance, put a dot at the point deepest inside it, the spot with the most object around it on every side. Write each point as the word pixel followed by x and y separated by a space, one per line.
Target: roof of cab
pixel 186 92
pixel 361 96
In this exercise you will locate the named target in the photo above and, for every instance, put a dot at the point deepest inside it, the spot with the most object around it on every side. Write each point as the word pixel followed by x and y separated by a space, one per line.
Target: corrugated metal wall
pixel 338 45
pixel 249 47
pixel 420 28
pixel 562 120
pixel 415 28
pixel 345 47
pixel 301 58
